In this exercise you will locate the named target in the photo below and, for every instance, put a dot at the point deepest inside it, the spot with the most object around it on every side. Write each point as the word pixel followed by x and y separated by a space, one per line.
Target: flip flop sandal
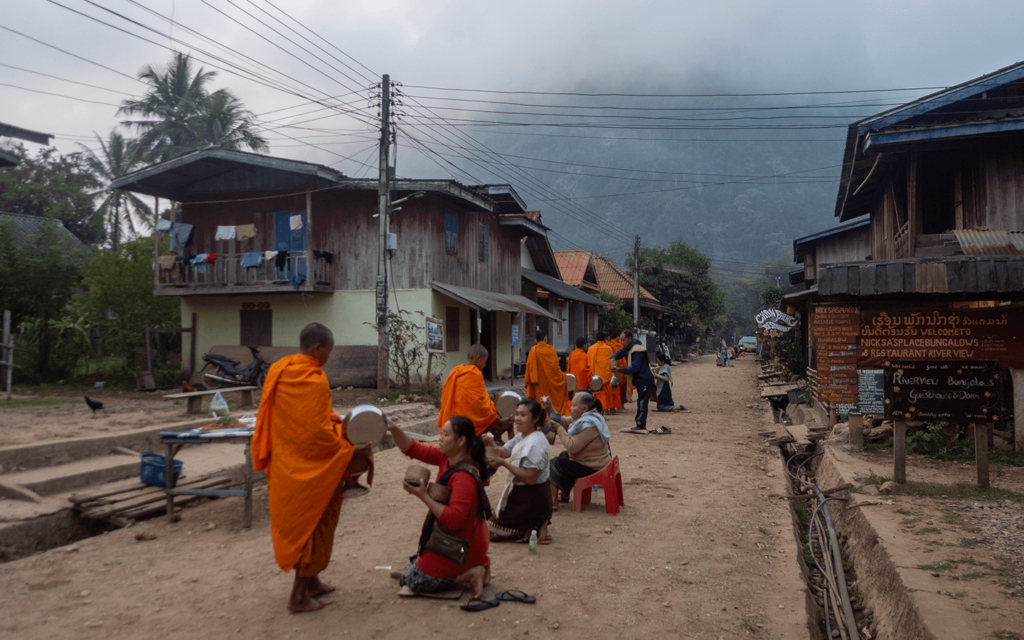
pixel 662 431
pixel 515 595
pixel 476 604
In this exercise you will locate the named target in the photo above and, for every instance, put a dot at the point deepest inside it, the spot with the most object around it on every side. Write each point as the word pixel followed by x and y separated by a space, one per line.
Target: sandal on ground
pixel 662 431
pixel 476 604
pixel 515 595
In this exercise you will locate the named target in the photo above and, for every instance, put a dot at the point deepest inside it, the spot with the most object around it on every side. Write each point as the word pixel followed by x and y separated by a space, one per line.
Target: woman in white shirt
pixel 525 503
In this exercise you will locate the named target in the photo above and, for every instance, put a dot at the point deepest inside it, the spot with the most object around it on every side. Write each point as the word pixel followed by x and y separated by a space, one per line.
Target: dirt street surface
pixel 701 550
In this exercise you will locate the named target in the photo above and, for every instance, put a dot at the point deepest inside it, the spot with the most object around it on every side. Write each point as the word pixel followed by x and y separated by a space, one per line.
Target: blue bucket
pixel 152 470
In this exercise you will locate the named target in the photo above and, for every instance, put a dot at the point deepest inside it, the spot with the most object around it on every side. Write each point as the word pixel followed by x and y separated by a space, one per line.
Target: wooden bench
pixel 195 398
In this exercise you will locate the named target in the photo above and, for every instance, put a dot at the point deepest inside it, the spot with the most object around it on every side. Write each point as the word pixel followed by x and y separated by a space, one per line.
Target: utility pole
pixel 384 212
pixel 636 287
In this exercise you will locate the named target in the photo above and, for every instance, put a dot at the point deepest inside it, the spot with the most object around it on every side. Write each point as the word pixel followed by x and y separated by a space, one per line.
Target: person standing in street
pixel 640 370
pixel 723 352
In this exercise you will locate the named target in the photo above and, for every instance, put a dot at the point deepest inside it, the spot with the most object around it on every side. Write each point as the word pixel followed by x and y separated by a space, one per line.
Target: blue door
pixel 292 240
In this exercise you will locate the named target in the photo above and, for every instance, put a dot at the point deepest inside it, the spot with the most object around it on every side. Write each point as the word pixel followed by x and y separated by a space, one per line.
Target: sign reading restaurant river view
pixel 835 331
pixel 943 334
pixel 943 391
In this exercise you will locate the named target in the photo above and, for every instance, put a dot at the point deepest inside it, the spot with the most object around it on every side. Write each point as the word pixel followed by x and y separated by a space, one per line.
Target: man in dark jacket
pixel 640 370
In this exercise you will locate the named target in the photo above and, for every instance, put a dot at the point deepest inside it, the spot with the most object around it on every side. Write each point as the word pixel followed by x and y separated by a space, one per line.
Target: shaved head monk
pixel 544 378
pixel 300 443
pixel 465 394
pixel 599 358
pixel 578 366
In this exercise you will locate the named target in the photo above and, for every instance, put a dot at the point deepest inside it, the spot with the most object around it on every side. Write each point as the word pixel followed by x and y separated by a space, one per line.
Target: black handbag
pixel 434 538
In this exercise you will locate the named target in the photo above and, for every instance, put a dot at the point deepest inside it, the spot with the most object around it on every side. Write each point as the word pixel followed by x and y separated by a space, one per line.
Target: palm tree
pixel 179 114
pixel 120 156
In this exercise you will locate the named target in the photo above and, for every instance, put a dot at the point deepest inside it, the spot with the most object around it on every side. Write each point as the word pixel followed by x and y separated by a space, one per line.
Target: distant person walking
pixel 723 352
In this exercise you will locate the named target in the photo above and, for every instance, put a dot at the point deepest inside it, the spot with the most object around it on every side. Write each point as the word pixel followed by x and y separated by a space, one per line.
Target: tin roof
pixel 573 265
pixel 614 280
pixel 561 289
pixel 977 242
pixel 25 226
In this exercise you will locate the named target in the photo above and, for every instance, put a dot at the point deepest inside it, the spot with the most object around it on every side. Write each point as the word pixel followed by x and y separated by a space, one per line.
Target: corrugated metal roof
pixel 491 301
pixel 561 289
pixel 25 134
pixel 615 281
pixel 25 226
pixel 573 265
pixel 977 242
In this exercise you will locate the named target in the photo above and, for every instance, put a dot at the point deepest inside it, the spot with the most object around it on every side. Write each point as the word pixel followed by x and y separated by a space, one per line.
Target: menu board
pixel 871 390
pixel 836 331
pixel 947 391
pixel 943 334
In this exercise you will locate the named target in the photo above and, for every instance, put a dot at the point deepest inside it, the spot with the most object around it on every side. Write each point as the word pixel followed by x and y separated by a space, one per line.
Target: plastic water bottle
pixel 533 542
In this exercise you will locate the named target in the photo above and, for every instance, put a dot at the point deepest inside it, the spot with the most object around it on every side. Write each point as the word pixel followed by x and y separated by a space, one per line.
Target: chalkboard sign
pixel 946 391
pixel 871 391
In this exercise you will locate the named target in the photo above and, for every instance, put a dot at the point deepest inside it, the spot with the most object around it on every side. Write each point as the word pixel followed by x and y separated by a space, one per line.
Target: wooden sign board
pixel 835 331
pixel 943 391
pixel 943 334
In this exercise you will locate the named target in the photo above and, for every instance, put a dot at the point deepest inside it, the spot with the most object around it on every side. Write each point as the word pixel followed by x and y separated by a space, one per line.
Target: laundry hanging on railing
pixel 181 236
pixel 252 260
pixel 245 231
pixel 225 232
pixel 163 224
pixel 298 275
pixel 199 263
pixel 281 259
pixel 295 222
pixel 167 262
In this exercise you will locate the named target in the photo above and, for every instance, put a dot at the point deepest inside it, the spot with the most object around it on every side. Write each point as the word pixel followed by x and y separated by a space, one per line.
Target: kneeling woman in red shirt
pixel 453 544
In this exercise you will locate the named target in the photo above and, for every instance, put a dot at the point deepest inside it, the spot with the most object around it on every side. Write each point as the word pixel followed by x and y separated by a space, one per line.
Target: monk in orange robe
pixel 299 442
pixel 465 394
pixel 616 393
pixel 625 389
pixel 544 378
pixel 578 366
pixel 599 359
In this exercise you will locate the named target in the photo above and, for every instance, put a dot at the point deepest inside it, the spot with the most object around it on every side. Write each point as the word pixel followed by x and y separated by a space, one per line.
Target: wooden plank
pixel 899 446
pixel 800 433
pixel 931 278
pixel 782 435
pixel 856 429
pixel 210 392
pixel 981 432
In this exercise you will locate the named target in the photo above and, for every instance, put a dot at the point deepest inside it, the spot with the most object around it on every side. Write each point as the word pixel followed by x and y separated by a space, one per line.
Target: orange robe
pixel 465 394
pixel 599 358
pixel 578 366
pixel 545 378
pixel 299 442
pixel 615 345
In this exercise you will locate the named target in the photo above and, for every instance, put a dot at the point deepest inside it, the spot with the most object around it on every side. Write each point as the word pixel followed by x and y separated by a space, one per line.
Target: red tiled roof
pixel 573 265
pixel 615 281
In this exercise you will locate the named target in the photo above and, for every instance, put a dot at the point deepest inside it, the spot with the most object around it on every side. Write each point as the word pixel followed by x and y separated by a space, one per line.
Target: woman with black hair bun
pixel 454 541
pixel 525 504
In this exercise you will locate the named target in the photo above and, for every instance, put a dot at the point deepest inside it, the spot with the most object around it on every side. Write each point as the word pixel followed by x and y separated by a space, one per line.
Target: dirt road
pixel 701 550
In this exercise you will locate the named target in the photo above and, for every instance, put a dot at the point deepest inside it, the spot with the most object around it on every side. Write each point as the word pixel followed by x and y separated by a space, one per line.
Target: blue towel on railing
pixel 253 259
pixel 199 263
pixel 298 275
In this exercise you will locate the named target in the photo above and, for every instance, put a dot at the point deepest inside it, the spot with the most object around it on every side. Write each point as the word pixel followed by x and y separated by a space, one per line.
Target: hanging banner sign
pixel 775 320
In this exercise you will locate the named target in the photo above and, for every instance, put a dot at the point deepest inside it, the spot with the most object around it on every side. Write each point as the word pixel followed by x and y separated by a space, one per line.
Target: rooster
pixel 95 406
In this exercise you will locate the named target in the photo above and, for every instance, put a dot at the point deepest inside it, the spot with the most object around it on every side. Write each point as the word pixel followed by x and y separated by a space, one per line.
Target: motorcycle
pixel 226 371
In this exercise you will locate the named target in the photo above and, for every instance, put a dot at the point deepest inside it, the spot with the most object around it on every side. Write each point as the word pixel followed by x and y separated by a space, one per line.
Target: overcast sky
pixel 545 45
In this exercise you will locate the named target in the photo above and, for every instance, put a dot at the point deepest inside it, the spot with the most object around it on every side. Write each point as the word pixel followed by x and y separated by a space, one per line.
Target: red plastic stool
pixel 610 479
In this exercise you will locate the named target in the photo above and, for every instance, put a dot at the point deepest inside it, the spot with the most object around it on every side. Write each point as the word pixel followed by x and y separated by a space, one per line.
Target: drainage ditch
pixel 839 609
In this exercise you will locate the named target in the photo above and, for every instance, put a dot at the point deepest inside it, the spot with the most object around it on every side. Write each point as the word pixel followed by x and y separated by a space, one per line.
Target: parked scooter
pixel 227 372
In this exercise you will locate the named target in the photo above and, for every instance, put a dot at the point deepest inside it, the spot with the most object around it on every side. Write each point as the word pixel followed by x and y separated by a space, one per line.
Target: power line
pixel 669 95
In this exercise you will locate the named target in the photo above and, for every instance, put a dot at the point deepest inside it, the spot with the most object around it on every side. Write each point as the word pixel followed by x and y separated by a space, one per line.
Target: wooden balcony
pixel 227 276
pixel 901 242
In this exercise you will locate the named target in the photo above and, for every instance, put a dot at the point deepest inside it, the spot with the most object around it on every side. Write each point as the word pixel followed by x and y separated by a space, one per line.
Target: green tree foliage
pixel 679 277
pixel 120 209
pixel 178 113
pixel 37 279
pixel 118 300
pixel 612 318
pixel 53 186
pixel 743 292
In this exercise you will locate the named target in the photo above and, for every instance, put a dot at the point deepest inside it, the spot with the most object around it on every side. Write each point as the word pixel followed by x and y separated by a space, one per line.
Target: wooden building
pixel 456 258
pixel 931 194
pixel 576 311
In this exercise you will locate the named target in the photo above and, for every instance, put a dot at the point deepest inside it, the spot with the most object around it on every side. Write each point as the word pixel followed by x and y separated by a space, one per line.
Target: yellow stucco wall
pixel 346 312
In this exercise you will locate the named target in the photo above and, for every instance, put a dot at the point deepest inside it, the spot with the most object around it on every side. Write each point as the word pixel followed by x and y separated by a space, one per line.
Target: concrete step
pixel 74 475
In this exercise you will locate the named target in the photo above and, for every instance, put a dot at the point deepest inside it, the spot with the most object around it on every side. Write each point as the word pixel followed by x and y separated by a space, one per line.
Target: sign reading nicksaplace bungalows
pixel 943 391
pixel 836 331
pixel 943 334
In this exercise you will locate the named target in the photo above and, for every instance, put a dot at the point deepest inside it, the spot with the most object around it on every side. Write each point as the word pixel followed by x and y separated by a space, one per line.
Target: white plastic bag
pixel 218 406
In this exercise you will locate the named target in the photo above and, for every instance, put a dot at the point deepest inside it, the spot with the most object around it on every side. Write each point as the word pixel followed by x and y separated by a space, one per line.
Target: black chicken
pixel 94 405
